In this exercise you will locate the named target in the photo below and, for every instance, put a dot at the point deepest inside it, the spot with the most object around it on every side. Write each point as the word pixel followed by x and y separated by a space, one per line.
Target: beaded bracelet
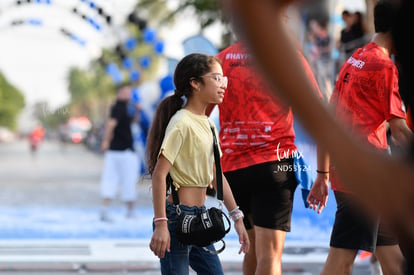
pixel 234 210
pixel 236 214
pixel 160 219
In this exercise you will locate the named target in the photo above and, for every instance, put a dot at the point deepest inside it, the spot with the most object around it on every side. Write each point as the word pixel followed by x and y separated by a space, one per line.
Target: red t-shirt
pixel 255 127
pixel 409 119
pixel 366 96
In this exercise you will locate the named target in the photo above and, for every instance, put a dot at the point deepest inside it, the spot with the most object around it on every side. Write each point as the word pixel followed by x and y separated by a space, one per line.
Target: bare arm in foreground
pixel 383 183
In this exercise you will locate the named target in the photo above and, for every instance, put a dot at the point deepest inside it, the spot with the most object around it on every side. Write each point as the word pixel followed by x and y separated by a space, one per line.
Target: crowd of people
pixel 327 51
pixel 320 56
pixel 256 126
pixel 353 34
pixel 363 170
pixel 348 115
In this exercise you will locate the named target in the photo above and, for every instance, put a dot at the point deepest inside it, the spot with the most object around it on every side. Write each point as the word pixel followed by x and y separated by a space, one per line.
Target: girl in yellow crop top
pixel 180 143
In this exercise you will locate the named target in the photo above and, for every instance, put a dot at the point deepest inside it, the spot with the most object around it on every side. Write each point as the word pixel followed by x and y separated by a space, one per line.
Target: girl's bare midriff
pixel 191 196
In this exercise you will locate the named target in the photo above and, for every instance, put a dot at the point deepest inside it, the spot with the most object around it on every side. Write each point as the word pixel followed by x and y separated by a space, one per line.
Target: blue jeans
pixel 180 257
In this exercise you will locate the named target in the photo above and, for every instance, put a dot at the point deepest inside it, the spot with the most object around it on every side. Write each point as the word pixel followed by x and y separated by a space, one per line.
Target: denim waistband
pixel 187 209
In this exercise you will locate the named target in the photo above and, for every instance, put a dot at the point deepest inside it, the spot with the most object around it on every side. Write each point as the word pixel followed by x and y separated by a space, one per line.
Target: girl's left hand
pixel 160 241
pixel 243 237
pixel 318 196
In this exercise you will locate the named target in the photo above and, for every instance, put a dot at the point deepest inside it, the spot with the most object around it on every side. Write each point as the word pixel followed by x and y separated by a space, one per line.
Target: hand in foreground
pixel 243 237
pixel 160 241
pixel 318 195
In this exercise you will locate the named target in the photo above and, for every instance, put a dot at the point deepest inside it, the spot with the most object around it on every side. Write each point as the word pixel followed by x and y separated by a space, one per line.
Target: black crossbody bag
pixel 207 227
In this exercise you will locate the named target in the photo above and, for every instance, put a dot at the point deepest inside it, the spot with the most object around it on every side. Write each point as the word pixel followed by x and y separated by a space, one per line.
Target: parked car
pixel 75 129
pixel 6 135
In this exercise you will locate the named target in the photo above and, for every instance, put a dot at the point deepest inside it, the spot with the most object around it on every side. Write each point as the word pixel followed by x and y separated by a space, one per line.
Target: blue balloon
pixel 110 67
pixel 114 72
pixel 145 62
pixel 166 85
pixel 117 77
pixel 159 47
pixel 127 62
pixel 97 26
pixel 134 75
pixel 135 95
pixel 78 40
pixel 149 35
pixel 34 22
pixel 131 43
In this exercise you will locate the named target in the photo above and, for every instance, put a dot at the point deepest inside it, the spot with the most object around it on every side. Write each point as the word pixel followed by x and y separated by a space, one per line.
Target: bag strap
pixel 218 251
pixel 171 189
pixel 219 178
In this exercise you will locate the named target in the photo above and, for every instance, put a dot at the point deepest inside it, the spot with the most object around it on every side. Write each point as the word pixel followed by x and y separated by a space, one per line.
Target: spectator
pixel 120 169
pixel 365 107
pixel 321 56
pixel 369 174
pixel 258 143
pixel 352 35
pixel 36 137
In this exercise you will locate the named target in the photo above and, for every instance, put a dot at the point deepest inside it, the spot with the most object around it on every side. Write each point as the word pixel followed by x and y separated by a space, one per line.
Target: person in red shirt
pixel 378 181
pixel 36 137
pixel 409 119
pixel 365 97
pixel 257 139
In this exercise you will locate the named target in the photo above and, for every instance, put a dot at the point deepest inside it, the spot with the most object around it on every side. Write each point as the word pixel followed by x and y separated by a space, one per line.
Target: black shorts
pixel 355 229
pixel 265 192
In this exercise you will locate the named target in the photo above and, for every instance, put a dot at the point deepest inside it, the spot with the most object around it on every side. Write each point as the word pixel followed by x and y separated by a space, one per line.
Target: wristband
pixel 160 219
pixel 322 172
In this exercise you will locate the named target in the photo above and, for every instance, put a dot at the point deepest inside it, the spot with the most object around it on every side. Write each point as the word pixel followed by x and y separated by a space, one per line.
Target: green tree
pixel 207 12
pixel 50 118
pixel 90 92
pixel 11 103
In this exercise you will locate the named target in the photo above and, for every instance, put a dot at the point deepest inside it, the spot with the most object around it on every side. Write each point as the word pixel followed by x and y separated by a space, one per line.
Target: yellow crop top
pixel 188 146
